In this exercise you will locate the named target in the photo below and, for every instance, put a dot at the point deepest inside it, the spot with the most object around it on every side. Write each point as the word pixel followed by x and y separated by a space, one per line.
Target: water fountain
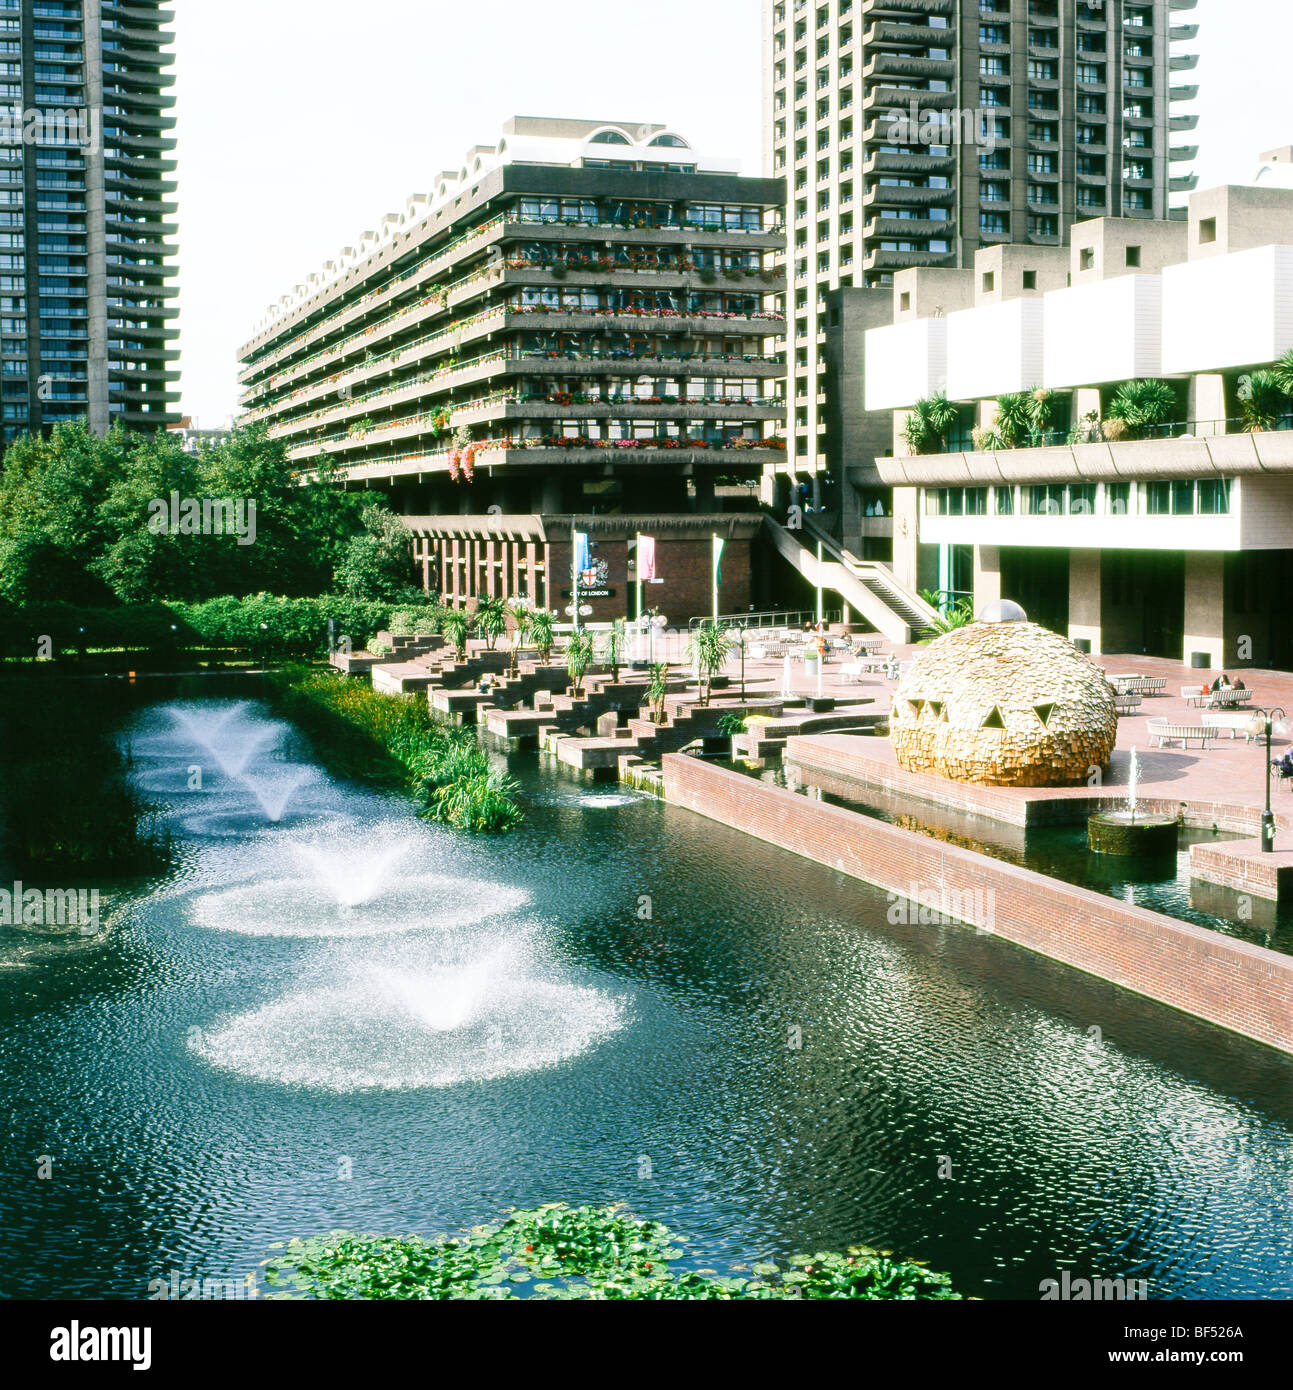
pixel 1130 831
pixel 274 791
pixel 416 1024
pixel 352 885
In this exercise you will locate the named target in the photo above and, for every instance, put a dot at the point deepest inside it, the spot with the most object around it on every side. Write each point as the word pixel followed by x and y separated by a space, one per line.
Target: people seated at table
pixel 1222 682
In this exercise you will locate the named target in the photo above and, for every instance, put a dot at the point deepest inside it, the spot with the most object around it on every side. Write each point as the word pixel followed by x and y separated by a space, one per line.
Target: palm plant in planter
pixel 457 626
pixel 708 651
pixel 1141 406
pixel 614 644
pixel 579 657
pixel 1282 371
pixel 520 612
pixel 539 629
pixel 1262 401
pixel 491 620
pixel 657 690
pixel 928 424
pixel 1016 419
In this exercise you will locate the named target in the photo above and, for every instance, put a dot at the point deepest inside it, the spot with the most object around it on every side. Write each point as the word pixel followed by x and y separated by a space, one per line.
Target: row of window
pixel 1179 497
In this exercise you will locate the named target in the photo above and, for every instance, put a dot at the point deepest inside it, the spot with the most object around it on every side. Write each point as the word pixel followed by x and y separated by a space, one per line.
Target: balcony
pixel 908 229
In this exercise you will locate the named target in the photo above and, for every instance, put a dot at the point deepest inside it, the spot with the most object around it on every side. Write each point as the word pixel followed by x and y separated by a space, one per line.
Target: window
pixel 1117 498
pixel 904 302
pixel 1030 279
pixel 989 282
pixel 1005 500
pixel 1133 256
pixel 1086 258
pixel 993 223
pixel 1044 499
pixel 1207 231
pixel 1081 499
pixel 1214 496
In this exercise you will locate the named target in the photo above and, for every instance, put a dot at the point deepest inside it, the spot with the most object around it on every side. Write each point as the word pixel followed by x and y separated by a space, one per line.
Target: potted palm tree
pixel 928 423
pixel 614 644
pixel 657 690
pixel 1139 407
pixel 457 627
pixel 491 620
pixel 1262 401
pixel 539 630
pixel 579 657
pixel 708 651
pixel 520 612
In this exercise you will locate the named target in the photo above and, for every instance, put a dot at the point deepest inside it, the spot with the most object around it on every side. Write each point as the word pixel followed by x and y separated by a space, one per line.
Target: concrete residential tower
pixel 570 333
pixel 916 132
pixel 86 250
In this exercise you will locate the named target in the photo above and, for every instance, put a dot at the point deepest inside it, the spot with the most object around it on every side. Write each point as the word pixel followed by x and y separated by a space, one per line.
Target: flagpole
pixel 639 576
pixel 574 573
pixel 716 559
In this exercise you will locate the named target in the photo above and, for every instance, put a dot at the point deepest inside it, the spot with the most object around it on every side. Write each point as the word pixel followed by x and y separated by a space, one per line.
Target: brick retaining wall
pixel 1233 984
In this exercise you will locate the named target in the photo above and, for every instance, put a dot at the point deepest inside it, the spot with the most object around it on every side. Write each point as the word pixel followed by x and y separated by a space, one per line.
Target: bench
pixel 1163 731
pixel 1127 704
pixel 1234 723
pixel 1228 697
pixel 1139 685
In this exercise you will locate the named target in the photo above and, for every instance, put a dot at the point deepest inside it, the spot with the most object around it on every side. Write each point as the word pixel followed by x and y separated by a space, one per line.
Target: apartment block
pixel 571 333
pixel 87 310
pixel 1171 536
pixel 919 132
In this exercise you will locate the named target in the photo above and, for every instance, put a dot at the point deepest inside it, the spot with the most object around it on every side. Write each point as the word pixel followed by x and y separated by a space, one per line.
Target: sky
pixel 303 122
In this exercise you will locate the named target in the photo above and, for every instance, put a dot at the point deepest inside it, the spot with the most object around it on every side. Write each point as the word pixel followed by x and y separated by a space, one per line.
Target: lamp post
pixel 740 632
pixel 1268 722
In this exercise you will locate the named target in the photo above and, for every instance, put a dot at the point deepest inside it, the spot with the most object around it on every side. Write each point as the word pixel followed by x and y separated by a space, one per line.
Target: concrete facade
pixel 577 324
pixel 1170 538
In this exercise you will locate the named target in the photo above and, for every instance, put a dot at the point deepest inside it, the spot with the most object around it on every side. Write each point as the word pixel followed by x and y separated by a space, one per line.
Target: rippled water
pixel 350 1018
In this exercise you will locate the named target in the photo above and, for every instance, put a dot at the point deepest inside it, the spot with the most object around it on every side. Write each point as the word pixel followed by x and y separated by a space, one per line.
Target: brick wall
pixel 1233 984
pixel 686 566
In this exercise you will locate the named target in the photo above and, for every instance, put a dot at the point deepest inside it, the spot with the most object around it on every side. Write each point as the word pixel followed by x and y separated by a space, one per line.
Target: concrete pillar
pixel 906 535
pixel 704 484
pixel 1085 616
pixel 1205 608
pixel 987 576
pixel 1207 403
pixel 1086 401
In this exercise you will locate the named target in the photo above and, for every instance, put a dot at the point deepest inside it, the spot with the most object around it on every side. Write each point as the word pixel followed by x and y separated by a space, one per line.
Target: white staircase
pixel 865 585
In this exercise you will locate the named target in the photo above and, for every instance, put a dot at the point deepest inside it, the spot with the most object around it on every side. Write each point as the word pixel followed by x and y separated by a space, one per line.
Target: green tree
pixel 928 423
pixel 491 620
pixel 377 564
pixel 1140 407
pixel 614 645
pixel 1262 401
pixel 707 651
pixel 540 629
pixel 579 658
pixel 457 625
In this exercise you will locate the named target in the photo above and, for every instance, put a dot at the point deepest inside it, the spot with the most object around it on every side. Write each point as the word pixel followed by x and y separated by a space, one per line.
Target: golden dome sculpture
pixel 1004 704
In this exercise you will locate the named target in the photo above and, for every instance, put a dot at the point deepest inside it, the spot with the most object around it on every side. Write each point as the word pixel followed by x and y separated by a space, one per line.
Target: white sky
pixel 302 122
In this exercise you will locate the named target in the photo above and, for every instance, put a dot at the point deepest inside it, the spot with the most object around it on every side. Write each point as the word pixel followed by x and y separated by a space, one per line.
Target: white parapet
pixel 1228 311
pixel 905 362
pixel 995 348
pixel 1108 330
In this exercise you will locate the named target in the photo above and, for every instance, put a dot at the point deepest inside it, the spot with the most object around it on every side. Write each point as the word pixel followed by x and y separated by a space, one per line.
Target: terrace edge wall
pixel 1237 986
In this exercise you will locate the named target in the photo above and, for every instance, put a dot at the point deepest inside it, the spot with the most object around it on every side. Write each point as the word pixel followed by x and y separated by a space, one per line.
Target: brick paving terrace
pixel 1223 785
